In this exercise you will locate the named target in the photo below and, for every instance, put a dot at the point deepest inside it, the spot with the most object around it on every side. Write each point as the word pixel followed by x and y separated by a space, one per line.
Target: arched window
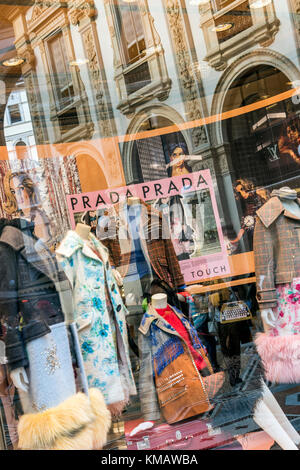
pixel 21 149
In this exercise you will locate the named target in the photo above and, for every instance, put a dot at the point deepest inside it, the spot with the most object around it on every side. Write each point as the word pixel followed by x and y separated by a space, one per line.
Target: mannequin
pixel 288 197
pixel 99 315
pixel 267 413
pixel 133 233
pixel 159 301
pixel 84 231
pixel 277 272
pixel 27 262
pixel 19 376
pixel 277 267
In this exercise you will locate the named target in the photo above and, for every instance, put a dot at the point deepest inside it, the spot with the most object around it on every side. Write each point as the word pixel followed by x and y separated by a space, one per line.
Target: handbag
pixel 193 434
pixel 234 311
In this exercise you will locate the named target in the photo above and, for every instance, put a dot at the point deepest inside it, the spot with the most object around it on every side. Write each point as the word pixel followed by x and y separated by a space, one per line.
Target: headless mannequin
pixel 84 231
pixel 159 301
pixel 288 198
pixel 288 436
pixel 267 414
pixel 19 376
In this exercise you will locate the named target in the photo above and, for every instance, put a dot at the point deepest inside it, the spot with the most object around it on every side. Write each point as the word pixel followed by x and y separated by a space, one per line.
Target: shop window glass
pixel 149 244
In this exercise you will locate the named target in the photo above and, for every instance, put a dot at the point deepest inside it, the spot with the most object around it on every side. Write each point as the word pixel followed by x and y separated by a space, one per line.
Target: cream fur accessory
pixel 280 356
pixel 79 423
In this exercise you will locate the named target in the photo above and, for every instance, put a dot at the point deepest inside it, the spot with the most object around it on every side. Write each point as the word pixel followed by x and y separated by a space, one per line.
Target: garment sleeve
pixel 107 234
pixel 147 390
pixel 173 263
pixel 263 244
pixel 67 274
pixel 9 309
pixel 68 266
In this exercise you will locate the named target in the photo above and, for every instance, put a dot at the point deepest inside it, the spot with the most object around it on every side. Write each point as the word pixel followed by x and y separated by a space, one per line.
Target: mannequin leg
pixel 274 406
pixel 264 418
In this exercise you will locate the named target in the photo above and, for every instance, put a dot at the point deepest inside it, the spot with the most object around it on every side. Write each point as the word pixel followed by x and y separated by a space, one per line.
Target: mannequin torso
pixel 288 198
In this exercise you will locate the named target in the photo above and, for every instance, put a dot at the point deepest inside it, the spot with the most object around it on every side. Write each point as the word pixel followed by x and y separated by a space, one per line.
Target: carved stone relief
pixel 34 101
pixel 97 82
pixel 188 84
pixel 81 10
pixel 40 8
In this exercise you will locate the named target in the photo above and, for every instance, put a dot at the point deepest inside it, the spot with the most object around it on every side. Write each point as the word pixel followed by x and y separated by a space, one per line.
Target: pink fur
pixel 280 357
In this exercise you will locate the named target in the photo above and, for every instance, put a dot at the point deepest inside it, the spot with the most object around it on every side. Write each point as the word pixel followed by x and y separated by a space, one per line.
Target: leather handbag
pixel 193 434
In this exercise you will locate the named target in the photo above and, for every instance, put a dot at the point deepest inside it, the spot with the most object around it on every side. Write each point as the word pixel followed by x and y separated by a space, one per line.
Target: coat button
pixel 119 307
pixel 113 287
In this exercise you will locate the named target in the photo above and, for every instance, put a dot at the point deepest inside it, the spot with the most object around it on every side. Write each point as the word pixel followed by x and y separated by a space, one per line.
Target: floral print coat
pixel 102 330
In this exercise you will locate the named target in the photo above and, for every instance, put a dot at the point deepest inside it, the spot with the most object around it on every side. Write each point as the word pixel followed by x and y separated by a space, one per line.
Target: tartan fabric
pixel 158 247
pixel 276 250
pixel 166 354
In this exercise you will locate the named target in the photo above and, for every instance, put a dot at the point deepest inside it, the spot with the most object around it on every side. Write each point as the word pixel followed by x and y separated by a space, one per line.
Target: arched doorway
pixel 258 140
pixel 262 147
pixel 91 175
pixel 151 155
pixel 146 159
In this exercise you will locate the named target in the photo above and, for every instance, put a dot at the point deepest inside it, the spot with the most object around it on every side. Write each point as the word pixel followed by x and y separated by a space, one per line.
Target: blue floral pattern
pixel 96 330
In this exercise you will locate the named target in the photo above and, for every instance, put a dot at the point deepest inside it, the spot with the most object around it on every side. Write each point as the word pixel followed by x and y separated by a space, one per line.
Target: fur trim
pixel 102 422
pixel 280 357
pixel 79 423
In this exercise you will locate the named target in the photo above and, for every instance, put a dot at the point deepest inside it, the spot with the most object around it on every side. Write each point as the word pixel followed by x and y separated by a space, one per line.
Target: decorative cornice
pixel 82 10
pixel 43 11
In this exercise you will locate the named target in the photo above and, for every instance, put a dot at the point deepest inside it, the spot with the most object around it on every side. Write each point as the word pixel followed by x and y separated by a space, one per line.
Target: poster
pixel 189 207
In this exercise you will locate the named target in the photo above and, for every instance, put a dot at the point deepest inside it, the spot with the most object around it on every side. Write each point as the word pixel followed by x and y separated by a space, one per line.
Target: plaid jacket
pixel 155 240
pixel 276 250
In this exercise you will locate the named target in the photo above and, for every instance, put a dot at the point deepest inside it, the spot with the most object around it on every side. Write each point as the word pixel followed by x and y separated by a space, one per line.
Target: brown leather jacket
pixel 276 250
pixel 169 382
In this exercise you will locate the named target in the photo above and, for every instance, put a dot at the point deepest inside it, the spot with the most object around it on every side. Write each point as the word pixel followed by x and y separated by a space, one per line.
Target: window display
pixel 150 225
